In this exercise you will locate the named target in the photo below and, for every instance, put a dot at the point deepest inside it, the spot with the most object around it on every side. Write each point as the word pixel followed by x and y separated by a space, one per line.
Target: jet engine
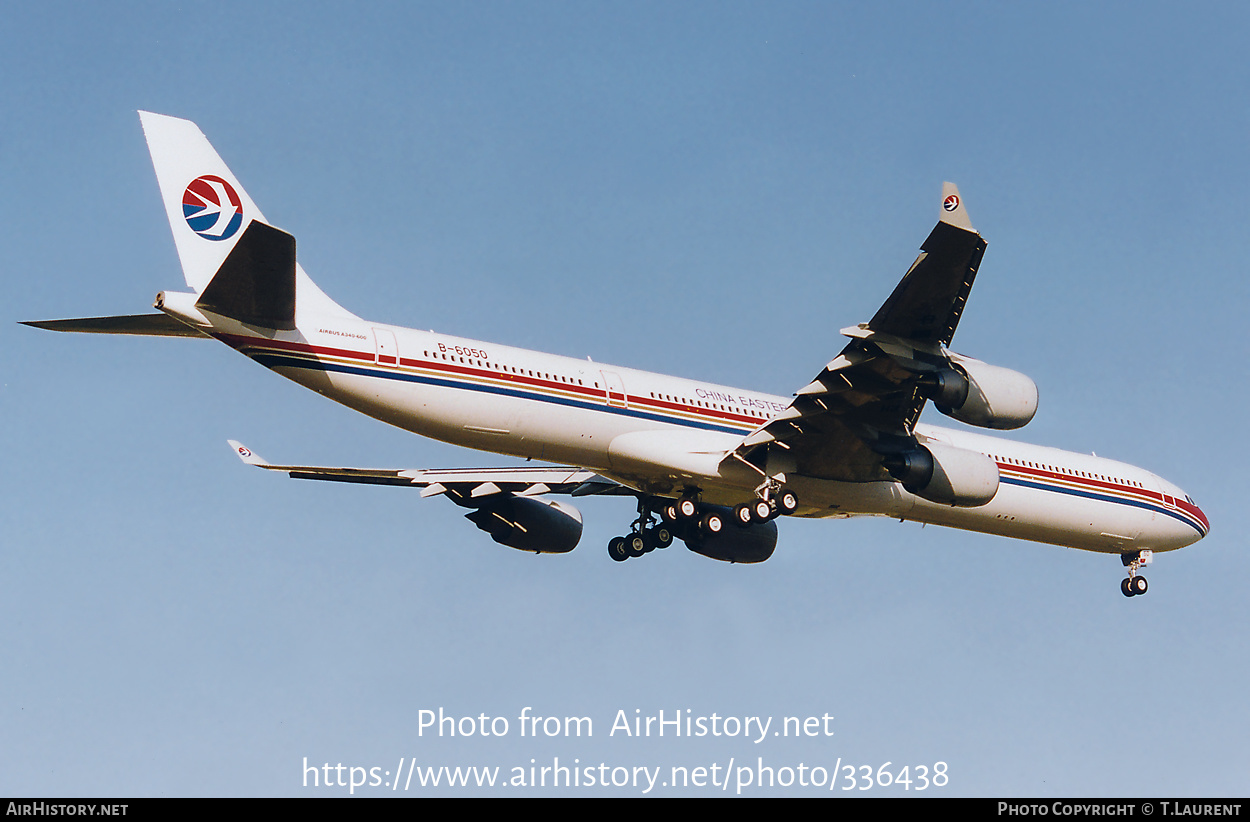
pixel 945 474
pixel 754 543
pixel 980 394
pixel 529 523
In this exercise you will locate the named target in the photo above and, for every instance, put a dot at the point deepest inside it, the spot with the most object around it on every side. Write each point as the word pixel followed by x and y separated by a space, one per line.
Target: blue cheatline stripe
pixel 1103 498
pixel 280 361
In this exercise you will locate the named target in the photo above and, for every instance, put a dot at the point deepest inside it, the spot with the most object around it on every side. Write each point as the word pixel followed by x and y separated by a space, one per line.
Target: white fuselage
pixel 662 434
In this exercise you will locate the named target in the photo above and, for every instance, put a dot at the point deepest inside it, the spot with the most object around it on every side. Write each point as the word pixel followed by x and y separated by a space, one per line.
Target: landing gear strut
pixel 1135 585
pixel 687 517
pixel 644 535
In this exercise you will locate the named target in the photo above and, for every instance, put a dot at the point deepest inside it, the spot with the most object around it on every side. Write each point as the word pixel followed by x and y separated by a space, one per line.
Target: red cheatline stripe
pixel 262 344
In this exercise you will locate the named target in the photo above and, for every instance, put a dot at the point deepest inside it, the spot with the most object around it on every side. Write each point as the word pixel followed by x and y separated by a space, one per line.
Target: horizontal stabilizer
pixel 256 283
pixel 147 325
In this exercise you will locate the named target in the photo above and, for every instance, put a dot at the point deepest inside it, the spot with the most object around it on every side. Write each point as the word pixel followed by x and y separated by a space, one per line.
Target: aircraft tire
pixel 712 523
pixel 743 515
pixel 787 502
pixel 1140 586
pixel 1125 587
pixel 616 549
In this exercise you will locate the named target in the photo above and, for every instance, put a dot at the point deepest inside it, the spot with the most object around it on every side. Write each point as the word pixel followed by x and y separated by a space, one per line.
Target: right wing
pixel 506 502
pixel 469 487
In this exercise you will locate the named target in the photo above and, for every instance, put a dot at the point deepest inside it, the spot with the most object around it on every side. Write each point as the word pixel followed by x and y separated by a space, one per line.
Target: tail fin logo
pixel 212 208
pixel 951 202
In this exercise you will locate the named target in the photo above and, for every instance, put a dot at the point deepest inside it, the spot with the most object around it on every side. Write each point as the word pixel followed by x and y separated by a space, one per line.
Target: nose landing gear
pixel 1135 585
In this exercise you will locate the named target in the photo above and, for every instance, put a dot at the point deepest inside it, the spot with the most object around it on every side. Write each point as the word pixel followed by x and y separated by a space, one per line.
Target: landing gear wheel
pixel 743 515
pixel 616 549
pixel 687 508
pixel 787 502
pixel 761 511
pixel 712 523
pixel 1139 585
pixel 668 513
pixel 662 537
pixel 1126 588
pixel 635 545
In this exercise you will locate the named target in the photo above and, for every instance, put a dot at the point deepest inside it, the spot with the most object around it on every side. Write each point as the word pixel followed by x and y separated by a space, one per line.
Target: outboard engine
pixel 529 523
pixel 980 394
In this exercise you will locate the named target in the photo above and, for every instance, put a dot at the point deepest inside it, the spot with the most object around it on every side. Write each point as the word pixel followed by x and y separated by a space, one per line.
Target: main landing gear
pixel 644 536
pixel 688 513
pixel 1135 585
pixel 772 501
pixel 688 518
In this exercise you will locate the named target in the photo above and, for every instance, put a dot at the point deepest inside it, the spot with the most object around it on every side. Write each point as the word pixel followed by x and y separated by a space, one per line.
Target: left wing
pixel 866 401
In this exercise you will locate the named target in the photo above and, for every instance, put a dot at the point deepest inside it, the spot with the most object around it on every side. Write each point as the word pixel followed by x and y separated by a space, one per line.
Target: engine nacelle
pixel 754 543
pixel 530 523
pixel 984 395
pixel 946 475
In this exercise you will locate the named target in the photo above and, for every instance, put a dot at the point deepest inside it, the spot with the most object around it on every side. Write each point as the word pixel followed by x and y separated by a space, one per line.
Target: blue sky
pixel 710 190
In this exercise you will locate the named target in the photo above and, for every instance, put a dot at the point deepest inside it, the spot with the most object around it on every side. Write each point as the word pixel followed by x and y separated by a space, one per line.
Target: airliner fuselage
pixel 546 407
pixel 716 464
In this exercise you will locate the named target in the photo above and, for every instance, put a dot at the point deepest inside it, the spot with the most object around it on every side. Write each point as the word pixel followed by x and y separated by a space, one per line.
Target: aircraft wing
pixel 866 401
pixel 464 486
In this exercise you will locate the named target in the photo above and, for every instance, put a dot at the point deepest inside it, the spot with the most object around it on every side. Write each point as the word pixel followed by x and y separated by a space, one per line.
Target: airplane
pixel 710 465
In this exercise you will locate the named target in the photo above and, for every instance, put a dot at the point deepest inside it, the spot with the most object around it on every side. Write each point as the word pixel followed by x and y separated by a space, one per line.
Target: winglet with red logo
pixel 244 453
pixel 953 211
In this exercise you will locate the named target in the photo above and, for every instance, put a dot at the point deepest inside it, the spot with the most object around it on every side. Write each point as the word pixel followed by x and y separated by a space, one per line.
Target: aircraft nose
pixel 1190 523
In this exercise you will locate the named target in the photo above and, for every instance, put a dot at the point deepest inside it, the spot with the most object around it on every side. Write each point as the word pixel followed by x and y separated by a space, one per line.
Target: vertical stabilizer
pixel 207 208
pixel 209 213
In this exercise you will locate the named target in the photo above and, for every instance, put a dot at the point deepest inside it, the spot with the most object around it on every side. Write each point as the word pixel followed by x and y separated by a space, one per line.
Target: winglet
pixel 953 211
pixel 244 453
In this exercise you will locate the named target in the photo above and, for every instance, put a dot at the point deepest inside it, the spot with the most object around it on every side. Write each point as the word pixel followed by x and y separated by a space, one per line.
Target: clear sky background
pixel 705 189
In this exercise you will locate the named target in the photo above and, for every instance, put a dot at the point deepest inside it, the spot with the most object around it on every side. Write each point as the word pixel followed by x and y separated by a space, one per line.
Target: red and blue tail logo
pixel 212 208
